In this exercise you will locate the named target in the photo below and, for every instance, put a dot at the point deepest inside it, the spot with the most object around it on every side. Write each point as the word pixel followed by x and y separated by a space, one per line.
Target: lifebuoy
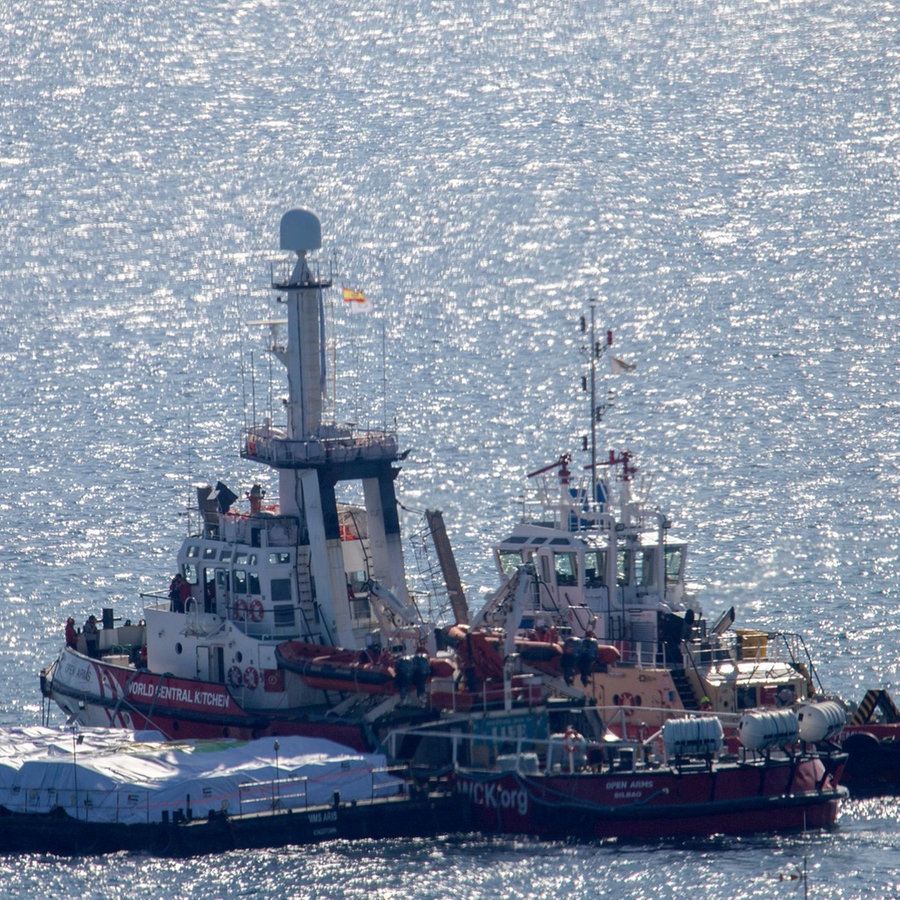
pixel 251 678
pixel 251 447
pixel 572 741
pixel 235 679
pixel 626 701
pixel 239 611
pixel 256 611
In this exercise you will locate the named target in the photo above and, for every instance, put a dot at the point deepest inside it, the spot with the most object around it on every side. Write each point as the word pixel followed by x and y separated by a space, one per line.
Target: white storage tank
pixel 821 721
pixel 695 736
pixel 760 730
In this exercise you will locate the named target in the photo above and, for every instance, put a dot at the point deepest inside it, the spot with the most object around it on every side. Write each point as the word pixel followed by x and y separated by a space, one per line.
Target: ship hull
pixel 102 694
pixel 406 816
pixel 732 799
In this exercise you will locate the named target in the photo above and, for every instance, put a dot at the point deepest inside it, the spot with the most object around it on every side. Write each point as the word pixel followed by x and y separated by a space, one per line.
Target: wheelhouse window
pixel 566 569
pixel 509 561
pixel 594 568
pixel 623 559
pixel 240 581
pixel 645 571
pixel 674 564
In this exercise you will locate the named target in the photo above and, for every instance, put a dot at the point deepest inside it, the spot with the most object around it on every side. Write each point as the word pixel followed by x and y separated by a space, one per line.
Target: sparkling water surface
pixel 722 177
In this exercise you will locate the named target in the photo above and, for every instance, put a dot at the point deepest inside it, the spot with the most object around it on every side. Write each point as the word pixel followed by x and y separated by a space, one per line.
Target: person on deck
pixel 71 634
pixel 179 593
pixel 92 637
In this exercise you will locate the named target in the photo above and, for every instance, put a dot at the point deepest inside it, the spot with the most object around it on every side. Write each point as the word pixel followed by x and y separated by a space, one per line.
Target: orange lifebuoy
pixel 256 611
pixel 239 611
pixel 251 678
pixel 235 679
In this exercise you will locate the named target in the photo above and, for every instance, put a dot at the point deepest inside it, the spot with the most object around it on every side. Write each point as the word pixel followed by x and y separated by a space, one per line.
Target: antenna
pixel 596 351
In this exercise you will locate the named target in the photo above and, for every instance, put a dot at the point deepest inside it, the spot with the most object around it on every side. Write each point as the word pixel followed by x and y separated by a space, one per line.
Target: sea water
pixel 720 177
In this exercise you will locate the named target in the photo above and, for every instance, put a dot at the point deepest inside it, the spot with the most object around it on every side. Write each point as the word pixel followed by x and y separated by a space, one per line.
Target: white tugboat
pixel 286 618
pixel 594 596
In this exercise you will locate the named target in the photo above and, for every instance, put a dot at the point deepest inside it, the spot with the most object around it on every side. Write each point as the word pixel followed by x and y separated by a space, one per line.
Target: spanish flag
pixel 357 300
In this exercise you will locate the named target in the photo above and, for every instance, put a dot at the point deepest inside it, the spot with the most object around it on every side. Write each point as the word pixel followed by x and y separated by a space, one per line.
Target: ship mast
pixel 596 352
pixel 312 457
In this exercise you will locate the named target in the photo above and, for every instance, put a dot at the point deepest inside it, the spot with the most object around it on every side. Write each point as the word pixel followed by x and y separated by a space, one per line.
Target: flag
pixel 357 300
pixel 619 365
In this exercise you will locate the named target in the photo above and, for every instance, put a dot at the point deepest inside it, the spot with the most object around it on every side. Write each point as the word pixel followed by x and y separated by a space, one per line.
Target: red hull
pixel 733 799
pixel 104 694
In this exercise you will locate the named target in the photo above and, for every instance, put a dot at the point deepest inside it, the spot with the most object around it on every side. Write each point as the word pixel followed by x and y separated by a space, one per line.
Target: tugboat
pixel 287 618
pixel 593 595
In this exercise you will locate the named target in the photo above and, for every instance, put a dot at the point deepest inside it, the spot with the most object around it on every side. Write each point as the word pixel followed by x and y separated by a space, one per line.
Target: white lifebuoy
pixel 251 678
pixel 256 611
pixel 239 611
pixel 235 679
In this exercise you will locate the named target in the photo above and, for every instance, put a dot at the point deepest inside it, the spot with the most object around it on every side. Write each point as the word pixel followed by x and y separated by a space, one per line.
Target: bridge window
pixel 645 571
pixel 674 564
pixel 281 590
pixel 509 561
pixel 623 567
pixel 595 568
pixel 566 571
pixel 240 581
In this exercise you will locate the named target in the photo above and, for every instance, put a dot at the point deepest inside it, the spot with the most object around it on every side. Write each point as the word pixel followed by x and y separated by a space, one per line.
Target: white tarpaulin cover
pixel 108 775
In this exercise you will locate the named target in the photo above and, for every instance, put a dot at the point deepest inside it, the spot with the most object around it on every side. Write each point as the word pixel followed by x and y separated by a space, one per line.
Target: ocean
pixel 720 178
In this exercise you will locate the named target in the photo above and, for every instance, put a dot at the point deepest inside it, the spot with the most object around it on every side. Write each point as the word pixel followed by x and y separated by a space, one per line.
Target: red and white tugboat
pixel 286 618
pixel 593 591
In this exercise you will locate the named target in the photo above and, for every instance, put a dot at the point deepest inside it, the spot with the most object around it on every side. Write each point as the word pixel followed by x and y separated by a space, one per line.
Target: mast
pixel 596 352
pixel 312 457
